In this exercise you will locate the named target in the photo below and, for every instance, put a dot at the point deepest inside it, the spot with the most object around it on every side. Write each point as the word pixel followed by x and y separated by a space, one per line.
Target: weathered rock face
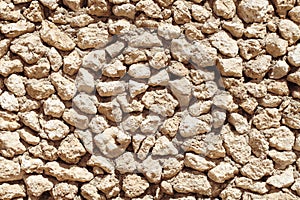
pixel 149 99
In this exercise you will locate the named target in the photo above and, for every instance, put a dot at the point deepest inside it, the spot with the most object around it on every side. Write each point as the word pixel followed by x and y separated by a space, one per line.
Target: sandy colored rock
pixel 294 14
pixel 145 147
pixel 293 56
pixel 28 136
pixel 55 59
pixel 30 119
pixel 30 164
pixel 70 149
pixel 257 68
pixel 249 48
pixel 73 4
pixel 239 122
pixel 39 70
pixel 111 110
pixel 11 191
pixel 85 103
pixel 231 193
pixel 258 143
pixel 67 172
pixel 289 30
pixel 34 12
pixel 64 190
pixel 72 63
pixel 225 44
pixel 9 121
pixel 10 170
pixel 134 185
pixel 224 8
pixel 168 31
pixel 198 162
pixel 37 184
pixel 8 12
pixel 279 70
pixel 186 182
pixel 257 168
pixel 39 89
pixel 53 36
pixel 65 87
pixel 92 37
pixel 267 118
pixel 98 8
pixel 282 159
pixel 4 46
pixel 256 30
pixel 254 186
pixel 11 144
pixel 13 30
pixel 191 126
pixel 171 125
pixel 10 66
pixel 181 12
pixel 150 8
pixel 275 45
pixel 200 13
pixel 9 102
pixel 230 67
pixel 111 88
pixel 125 10
pixel 53 106
pixel 222 172
pixel 253 11
pixel 45 150
pixel 15 84
pixel 51 4
pixel 282 178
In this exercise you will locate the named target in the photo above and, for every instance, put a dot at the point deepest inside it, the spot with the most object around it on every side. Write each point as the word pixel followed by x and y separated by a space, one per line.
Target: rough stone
pixel 36 185
pixel 13 30
pixel 222 172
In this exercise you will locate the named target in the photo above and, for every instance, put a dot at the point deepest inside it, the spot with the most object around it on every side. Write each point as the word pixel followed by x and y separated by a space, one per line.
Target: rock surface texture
pixel 149 99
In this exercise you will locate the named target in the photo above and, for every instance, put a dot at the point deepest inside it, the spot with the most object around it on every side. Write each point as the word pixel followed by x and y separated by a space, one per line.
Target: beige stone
pixel 267 118
pixel 30 164
pixel 37 185
pixel 253 186
pixel 119 26
pixel 81 20
pixel 112 88
pixel 294 14
pixel 53 36
pixel 39 89
pixel 296 186
pixel 239 122
pixel 65 87
pixel 139 70
pixel 8 11
pixel 225 44
pixel 230 67
pixel 279 87
pixel 51 4
pixel 231 193
pixel 163 147
pixel 249 48
pixel 27 104
pixel 115 69
pixel 145 147
pixel 150 8
pixel 85 103
pixel 257 168
pixel 256 30
pixel 279 70
pixel 289 30
pixel 281 138
pixel 11 144
pixel 198 162
pixel 67 172
pixel 191 126
pixel 30 119
pixel 171 125
pixel 10 66
pixel 39 70
pixel 13 30
pixel 44 150
pixel 9 121
pixel 134 185
pixel 168 31
pixel 34 12
pixel 253 11
pixel 293 56
pixel 55 59
pixel 72 63
pixel 10 170
pixel 70 149
pixel 4 46
pixel 282 178
pixel 126 163
pixel 55 129
pixel 282 159
pixel 275 45
pixel 200 13
pixel 111 110
pixel 53 106
pixel 12 191
pixel 257 68
pixel 224 8
pixel 74 5
pixel 181 12
pixel 258 143
pixel 222 172
pixel 28 136
pixel 9 102
pixel 92 37
pixel 64 190
pixel 125 10
pixel 235 27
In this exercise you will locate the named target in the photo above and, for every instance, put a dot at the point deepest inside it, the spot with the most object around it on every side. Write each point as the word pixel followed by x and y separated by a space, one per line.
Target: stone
pixel 159 60
pixel 275 45
pixel 279 70
pixel 98 124
pixel 139 71
pixel 134 185
pixel 116 69
pixel 256 69
pixel 11 144
pixel 104 163
pixel 258 90
pixel 36 185
pixel 12 191
pixel 199 108
pixel 145 147
pixel 191 126
pixel 109 185
pixel 126 163
pixel 224 8
pixel 253 186
pixel 112 142
pixel 81 20
pixel 222 172
pixel 125 10
pixel 289 30
pixel 129 105
pixel 85 81
pixel 257 168
pixel 56 129
pixel 28 104
pixel 39 70
pixel 235 27
pixel 258 143
pixel 294 14
pixel 12 30
pixel 230 67
pixel 55 59
pixel 34 12
pixel 98 8
pixel 163 147
pixel 74 5
pixel 170 126
pixel 150 124
pixel 168 31
pixel 85 103
pixel 65 87
pixel 72 63
pixel 253 11
pixel 10 66
pixel 53 36
pixel 249 105
pixel 64 172
pixel 15 84
pixel 92 37
pixel 10 170
pixel 282 179
pixel 161 78
pixel 44 150
pixel 200 13
pixel 231 193
pixel 239 122
pixel 182 90
pixel 225 44
pixel 4 46
pixel 249 48
pixel 30 119
pixel 119 26
pixel 181 12
pixel 28 136
pixel 31 165
pixel 160 102
pixel 64 190
pixel 51 4
pixel 282 159
pixel 70 149
pixel 9 121
pixel 267 118
pixel 281 138
pixel 151 169
pixel 283 7
pixel 112 88
pixel 279 87
pixel 39 89
pixel 256 30
pixel 53 106
pixel 189 182
pixel 8 12
pixel 90 192
pixel 224 100
pixel 293 56
pixel 111 110
pixel 150 8
pixel 198 162
pixel 9 102
pixel 237 146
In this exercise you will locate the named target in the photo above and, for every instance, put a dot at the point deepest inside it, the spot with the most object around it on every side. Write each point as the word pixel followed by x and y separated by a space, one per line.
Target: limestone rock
pixel 98 8
pixel 222 172
pixel 64 190
pixel 85 103
pixel 37 185
pixel 30 119
pixel 11 144
pixel 10 66
pixel 4 46
pixel 279 70
pixel 56 129
pixel 249 48
pixel 225 44
pixel 51 4
pixel 282 179
pixel 281 138
pixel 168 31
pixel 10 170
pixel 257 68
pixel 112 88
pixel 28 136
pixel 191 126
pixel 73 4
pixel 181 13
pixel 257 168
pixel 150 8
pixel 289 30
pixel 39 89
pixel 198 162
pixel 53 106
pixel 282 159
pixel 253 11
pixel 171 125
pixel 55 59
pixel 53 36
pixel 72 63
pixel 200 13
pixel 125 10
pixel 92 37
pixel 254 186
pixel 164 147
pixel 12 30
pixel 81 20
pixel 39 70
pixel 231 67
pixel 34 12
pixel 65 87
pixel 8 12
pixel 294 14
pixel 11 191
pixel 30 164
pixel 239 122
pixel 293 56
pixel 139 71
pixel 9 121
pixel 45 150
pixel 275 45
pixel 224 8
pixel 9 102
pixel 134 185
